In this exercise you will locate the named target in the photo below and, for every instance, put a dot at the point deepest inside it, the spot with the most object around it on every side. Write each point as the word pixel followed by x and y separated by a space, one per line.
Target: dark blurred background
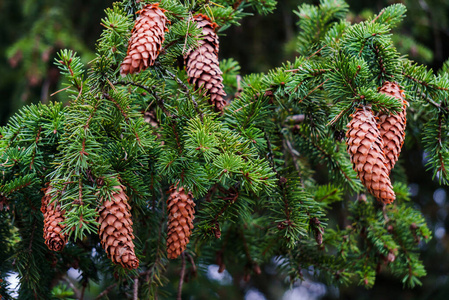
pixel 32 31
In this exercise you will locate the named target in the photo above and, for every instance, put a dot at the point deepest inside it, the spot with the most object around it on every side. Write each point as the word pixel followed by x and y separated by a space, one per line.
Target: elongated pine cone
pixel 202 63
pixel 368 160
pixel 180 207
pixel 146 39
pixel 55 239
pixel 116 232
pixel 392 127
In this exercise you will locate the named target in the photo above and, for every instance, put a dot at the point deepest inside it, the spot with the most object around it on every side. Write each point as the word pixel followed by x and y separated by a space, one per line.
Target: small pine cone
pixel 146 39
pixel 392 127
pixel 116 232
pixel 54 237
pixel 180 207
pixel 365 149
pixel 202 63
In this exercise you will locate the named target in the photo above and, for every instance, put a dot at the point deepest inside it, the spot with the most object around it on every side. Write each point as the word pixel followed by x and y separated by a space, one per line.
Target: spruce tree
pixel 259 176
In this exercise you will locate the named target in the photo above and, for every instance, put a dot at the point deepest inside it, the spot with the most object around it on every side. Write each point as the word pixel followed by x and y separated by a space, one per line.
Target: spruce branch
pixel 151 90
pixel 187 91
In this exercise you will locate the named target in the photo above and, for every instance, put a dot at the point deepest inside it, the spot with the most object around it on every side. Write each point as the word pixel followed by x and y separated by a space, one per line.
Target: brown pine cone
pixel 116 232
pixel 180 207
pixel 392 127
pixel 54 237
pixel 146 39
pixel 202 63
pixel 368 160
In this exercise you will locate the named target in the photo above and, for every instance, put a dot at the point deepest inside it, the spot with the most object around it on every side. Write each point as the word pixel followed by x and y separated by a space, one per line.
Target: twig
pixel 181 278
pixel 82 291
pixel 294 154
pixel 74 288
pixel 377 17
pixel 316 52
pixel 106 291
pixel 320 85
pixel 61 90
pixel 136 288
pixel 187 32
pixel 192 262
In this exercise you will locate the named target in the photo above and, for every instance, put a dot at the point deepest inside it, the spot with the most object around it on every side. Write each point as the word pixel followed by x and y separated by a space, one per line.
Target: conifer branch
pixel 35 147
pixel 424 83
pixel 233 195
pixel 160 102
pixel 124 114
pixel 328 156
pixel 187 92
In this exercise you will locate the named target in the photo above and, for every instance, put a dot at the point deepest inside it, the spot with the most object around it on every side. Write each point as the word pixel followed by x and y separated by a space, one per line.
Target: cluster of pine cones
pixel 201 63
pixel 374 144
pixel 115 230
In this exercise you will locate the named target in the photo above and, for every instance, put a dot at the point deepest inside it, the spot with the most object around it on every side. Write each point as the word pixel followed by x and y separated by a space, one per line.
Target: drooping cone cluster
pixel 202 63
pixel 180 208
pixel 55 239
pixel 392 127
pixel 116 232
pixel 146 40
pixel 365 148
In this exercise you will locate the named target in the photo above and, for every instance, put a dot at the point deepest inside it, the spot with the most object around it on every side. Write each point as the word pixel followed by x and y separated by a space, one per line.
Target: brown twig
pixel 320 85
pixel 136 288
pixel 61 90
pixel 106 291
pixel 181 278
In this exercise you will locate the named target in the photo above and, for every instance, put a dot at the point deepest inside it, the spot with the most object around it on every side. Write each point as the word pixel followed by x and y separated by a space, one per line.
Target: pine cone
pixel 180 207
pixel 116 232
pixel 365 148
pixel 203 66
pixel 392 127
pixel 55 239
pixel 146 39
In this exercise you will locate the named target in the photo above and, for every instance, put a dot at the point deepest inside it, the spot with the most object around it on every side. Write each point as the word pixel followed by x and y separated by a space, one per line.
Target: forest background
pixel 33 31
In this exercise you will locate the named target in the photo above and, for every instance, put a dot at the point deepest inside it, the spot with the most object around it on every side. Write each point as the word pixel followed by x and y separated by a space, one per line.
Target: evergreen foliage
pixel 252 170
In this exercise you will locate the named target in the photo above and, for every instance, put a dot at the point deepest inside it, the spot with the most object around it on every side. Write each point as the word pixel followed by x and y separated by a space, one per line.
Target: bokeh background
pixel 33 31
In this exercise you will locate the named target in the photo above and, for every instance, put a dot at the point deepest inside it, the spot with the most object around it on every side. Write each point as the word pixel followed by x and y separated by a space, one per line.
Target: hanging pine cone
pixel 116 232
pixel 203 66
pixel 146 39
pixel 180 207
pixel 365 148
pixel 54 237
pixel 392 127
